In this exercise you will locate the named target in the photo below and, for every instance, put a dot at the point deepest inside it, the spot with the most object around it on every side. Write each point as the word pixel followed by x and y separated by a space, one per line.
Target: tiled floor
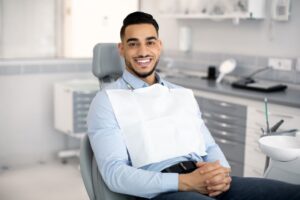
pixel 50 181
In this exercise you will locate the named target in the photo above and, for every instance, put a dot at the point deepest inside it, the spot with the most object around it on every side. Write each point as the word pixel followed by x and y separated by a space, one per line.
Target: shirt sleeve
pixel 112 158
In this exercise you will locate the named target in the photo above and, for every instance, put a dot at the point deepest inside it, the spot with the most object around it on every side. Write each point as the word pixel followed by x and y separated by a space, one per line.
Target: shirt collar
pixel 136 82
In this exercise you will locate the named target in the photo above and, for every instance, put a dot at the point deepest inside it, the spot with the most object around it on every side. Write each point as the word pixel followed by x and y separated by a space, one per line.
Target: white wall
pixel 95 21
pixel 27 133
pixel 28 28
pixel 50 28
pixel 251 37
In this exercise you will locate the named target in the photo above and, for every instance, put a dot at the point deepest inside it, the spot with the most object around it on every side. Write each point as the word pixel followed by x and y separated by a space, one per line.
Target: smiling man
pixel 141 49
pixel 148 136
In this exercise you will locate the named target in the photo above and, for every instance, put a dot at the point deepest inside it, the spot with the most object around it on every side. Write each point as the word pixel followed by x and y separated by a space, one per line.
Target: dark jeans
pixel 244 189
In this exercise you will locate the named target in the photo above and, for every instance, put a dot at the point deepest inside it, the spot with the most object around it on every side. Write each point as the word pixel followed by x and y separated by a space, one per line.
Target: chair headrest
pixel 107 61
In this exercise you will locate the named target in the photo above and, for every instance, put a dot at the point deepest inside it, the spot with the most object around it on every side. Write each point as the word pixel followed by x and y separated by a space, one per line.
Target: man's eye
pixel 150 43
pixel 132 44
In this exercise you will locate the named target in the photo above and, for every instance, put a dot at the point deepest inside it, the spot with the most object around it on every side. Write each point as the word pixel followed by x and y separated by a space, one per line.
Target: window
pixel 87 22
pixel 59 28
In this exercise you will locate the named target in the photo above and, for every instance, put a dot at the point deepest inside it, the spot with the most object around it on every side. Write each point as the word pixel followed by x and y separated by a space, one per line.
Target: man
pixel 149 139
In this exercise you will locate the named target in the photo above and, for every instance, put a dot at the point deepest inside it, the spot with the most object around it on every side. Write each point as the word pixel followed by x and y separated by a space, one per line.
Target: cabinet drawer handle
pixel 218 115
pixel 223 116
pixel 222 133
pixel 224 104
pixel 219 103
pixel 205 114
pixel 224 125
pixel 219 124
pixel 223 141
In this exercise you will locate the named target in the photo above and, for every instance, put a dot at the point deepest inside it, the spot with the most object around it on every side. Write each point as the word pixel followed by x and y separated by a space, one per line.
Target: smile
pixel 143 61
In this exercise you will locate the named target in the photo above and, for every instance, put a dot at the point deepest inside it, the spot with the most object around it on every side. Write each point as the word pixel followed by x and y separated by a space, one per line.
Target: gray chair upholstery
pixel 94 184
pixel 107 65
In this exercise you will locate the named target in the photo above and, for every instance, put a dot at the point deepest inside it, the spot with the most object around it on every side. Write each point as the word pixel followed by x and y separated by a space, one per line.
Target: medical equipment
pixel 283 152
pixel 71 103
pixel 225 68
pixel 267 116
pixel 276 126
pixel 247 82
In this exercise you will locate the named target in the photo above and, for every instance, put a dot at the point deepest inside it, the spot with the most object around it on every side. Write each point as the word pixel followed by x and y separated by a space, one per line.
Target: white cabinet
pixel 71 104
pixel 217 9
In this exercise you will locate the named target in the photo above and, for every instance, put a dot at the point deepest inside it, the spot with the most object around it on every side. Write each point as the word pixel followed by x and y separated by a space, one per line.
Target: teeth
pixel 143 61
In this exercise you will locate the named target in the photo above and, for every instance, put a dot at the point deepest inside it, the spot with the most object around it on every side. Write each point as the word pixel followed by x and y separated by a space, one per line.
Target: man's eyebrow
pixel 131 40
pixel 135 39
pixel 151 38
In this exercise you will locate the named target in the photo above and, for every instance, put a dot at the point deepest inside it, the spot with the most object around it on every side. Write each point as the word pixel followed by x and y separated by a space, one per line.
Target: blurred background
pixel 46 57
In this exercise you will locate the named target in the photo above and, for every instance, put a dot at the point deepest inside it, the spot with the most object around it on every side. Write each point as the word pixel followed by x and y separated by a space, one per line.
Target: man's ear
pixel 161 44
pixel 121 49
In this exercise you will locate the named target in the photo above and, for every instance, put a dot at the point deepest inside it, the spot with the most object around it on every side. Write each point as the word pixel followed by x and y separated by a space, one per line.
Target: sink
pixel 281 147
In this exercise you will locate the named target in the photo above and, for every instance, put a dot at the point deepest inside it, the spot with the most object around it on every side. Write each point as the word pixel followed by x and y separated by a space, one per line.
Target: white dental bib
pixel 158 123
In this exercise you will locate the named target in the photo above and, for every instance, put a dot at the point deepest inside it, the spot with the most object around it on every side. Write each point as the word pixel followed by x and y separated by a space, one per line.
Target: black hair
pixel 138 17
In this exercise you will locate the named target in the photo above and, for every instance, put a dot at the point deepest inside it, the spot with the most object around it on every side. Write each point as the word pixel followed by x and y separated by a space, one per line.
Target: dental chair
pixel 107 66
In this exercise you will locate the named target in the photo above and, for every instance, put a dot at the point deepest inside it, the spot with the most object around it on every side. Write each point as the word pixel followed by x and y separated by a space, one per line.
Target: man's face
pixel 141 49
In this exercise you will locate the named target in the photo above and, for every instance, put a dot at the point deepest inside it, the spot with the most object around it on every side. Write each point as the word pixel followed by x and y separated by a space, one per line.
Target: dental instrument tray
pixel 261 86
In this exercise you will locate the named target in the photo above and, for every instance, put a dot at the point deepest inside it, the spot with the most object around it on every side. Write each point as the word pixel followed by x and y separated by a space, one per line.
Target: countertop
pixel 289 97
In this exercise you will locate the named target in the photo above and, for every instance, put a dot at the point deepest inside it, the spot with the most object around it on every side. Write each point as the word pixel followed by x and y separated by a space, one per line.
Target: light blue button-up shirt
pixel 112 156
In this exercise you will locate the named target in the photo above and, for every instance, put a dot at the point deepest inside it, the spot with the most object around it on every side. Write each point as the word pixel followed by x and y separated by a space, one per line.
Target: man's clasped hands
pixel 209 178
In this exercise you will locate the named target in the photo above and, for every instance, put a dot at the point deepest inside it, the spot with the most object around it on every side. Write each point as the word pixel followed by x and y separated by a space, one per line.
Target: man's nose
pixel 143 50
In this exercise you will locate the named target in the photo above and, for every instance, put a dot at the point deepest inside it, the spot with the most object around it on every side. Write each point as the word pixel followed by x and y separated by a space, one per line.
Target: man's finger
pixel 221 174
pixel 215 193
pixel 210 167
pixel 200 164
pixel 226 188
pixel 217 190
pixel 218 179
pixel 219 187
